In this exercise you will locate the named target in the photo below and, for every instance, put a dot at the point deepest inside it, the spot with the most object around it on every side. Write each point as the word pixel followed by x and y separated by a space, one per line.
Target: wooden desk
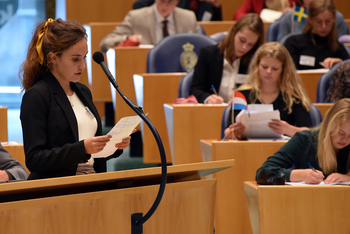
pixel 310 80
pixel 187 125
pixel 212 27
pixel 324 107
pixel 152 91
pixel 103 203
pixel 3 124
pixel 123 63
pixel 17 152
pixel 231 213
pixel 298 209
pixel 94 75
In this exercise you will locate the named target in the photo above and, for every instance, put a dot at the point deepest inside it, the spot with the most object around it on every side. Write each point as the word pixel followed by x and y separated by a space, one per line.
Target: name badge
pixel 307 60
pixel 241 78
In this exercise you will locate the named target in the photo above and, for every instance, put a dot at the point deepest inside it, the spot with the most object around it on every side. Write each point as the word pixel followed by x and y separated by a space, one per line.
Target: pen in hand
pixel 312 168
pixel 214 90
pixel 318 172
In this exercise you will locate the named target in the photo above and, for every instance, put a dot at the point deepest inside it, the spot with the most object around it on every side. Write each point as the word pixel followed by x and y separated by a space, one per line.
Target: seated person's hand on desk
pixel 135 37
pixel 336 177
pixel 307 175
pixel 4 176
pixel 236 128
pixel 214 99
pixel 284 128
pixel 330 62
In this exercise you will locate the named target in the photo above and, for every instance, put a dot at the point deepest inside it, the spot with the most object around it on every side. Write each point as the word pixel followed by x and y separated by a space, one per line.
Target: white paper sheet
pixel 121 130
pixel 302 183
pixel 256 121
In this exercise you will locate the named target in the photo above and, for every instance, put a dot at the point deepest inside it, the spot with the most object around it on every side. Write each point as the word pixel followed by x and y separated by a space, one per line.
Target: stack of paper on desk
pixel 256 120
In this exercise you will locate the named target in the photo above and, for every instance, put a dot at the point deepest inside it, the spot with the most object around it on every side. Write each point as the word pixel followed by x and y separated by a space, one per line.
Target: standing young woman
pixel 326 149
pixel 273 80
pixel 225 64
pixel 317 46
pixel 61 126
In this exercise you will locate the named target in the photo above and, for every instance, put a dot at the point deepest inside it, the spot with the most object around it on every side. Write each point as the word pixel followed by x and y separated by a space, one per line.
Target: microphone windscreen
pixel 98 57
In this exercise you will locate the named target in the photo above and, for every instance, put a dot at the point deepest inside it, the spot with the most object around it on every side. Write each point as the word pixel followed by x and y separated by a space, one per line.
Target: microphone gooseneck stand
pixel 136 219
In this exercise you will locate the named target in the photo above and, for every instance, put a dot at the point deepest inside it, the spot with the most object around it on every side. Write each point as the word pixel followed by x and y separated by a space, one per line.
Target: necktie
pixel 165 28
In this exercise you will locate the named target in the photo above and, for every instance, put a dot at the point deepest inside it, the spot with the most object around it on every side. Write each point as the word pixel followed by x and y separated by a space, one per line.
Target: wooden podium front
pixel 298 209
pixel 103 203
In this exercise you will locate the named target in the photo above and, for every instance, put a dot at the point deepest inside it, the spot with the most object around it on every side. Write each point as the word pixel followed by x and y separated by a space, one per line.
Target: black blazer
pixel 50 131
pixel 208 71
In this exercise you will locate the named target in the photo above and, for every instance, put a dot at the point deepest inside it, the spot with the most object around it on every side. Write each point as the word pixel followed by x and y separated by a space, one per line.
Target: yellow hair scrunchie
pixel 39 43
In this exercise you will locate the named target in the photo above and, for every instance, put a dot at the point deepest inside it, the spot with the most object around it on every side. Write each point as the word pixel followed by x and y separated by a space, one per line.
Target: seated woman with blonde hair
pixel 318 154
pixel 273 79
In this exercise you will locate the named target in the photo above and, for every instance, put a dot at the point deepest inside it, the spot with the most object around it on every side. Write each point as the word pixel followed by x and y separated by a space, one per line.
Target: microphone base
pixel 134 218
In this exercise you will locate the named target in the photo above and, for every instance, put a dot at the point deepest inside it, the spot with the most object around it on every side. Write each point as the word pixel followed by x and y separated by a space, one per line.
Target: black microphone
pixel 137 220
pixel 99 59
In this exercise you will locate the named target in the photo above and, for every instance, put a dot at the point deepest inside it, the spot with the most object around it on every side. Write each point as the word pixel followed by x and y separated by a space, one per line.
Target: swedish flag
pixel 300 14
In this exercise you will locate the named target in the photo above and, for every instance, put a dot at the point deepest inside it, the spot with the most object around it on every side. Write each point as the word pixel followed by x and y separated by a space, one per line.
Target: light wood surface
pixel 298 209
pixel 3 124
pixel 100 204
pixel 17 152
pixel 187 125
pixel 124 62
pixel 115 10
pixel 231 214
pixel 152 91
pixel 324 107
pixel 310 80
pixel 85 11
pixel 93 76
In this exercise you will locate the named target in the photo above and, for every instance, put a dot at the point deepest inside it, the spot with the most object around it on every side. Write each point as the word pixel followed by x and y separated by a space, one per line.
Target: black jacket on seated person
pixel 208 71
pixel 314 46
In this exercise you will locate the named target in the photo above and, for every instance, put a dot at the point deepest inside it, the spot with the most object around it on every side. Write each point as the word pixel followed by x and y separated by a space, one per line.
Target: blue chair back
pixel 272 31
pixel 324 83
pixel 177 53
pixel 316 116
pixel 224 119
pixel 185 85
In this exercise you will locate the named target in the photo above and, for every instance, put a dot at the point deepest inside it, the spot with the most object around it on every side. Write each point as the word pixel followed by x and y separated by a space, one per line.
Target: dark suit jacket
pixel 208 71
pixel 50 131
pixel 12 167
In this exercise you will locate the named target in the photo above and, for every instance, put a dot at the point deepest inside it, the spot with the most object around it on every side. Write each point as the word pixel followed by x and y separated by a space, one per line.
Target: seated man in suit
pixel 149 25
pixel 10 168
pixel 205 10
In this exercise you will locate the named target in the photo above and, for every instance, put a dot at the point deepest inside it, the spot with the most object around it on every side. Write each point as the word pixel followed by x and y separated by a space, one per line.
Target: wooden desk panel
pixel 298 209
pixel 310 80
pixel 187 125
pixel 3 124
pixel 94 77
pixel 212 27
pixel 17 152
pixel 124 62
pixel 152 91
pixel 231 214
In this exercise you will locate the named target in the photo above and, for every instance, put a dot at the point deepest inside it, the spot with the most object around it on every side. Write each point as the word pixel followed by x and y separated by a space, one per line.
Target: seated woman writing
pixel 317 154
pixel 273 79
pixel 318 46
pixel 225 65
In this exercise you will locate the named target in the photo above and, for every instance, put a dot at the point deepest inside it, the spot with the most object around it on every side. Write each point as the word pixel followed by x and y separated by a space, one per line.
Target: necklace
pixel 70 100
